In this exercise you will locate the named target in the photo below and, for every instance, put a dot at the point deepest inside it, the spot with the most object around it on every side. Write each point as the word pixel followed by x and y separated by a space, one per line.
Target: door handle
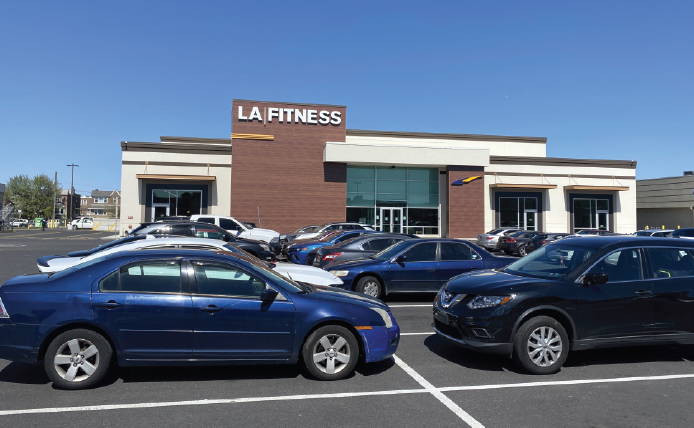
pixel 644 292
pixel 209 309
pixel 430 269
pixel 111 304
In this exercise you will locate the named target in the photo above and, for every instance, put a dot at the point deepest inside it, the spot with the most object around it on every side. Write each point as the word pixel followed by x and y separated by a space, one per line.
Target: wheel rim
pixel 371 288
pixel 76 360
pixel 522 251
pixel 331 354
pixel 544 346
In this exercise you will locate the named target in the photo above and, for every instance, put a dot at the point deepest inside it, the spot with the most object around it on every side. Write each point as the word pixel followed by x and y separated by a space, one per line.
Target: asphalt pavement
pixel 430 383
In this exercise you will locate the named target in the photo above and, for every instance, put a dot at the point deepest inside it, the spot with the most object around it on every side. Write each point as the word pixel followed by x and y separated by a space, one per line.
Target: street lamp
pixel 72 190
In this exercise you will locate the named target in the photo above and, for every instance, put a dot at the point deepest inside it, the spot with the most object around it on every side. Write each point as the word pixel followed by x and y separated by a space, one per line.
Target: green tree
pixel 34 196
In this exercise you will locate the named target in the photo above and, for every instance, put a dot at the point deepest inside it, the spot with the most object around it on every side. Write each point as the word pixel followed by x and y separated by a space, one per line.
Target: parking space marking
pixel 565 382
pixel 410 306
pixel 428 333
pixel 428 389
pixel 462 414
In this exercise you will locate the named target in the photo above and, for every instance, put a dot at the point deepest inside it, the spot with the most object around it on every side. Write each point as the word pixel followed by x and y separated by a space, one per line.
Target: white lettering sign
pixel 284 115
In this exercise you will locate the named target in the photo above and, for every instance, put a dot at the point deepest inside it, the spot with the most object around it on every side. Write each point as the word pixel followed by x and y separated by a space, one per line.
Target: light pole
pixel 72 191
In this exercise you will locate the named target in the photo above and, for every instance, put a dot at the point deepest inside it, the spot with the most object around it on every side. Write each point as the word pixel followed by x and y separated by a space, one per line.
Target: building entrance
pixel 390 220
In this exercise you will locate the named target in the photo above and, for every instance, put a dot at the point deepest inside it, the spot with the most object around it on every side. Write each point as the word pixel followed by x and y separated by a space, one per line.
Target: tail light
pixel 543 242
pixel 510 240
pixel 331 256
pixel 489 238
pixel 3 312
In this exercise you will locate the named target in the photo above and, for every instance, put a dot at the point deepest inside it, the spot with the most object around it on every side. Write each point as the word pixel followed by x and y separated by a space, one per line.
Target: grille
pixel 447 330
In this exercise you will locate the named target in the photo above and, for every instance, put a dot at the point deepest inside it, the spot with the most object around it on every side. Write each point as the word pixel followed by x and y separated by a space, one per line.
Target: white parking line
pixel 430 389
pixel 428 333
pixel 410 306
pixel 462 414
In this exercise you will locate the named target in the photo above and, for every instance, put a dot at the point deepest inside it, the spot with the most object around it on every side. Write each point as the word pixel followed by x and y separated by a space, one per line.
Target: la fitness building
pixel 290 165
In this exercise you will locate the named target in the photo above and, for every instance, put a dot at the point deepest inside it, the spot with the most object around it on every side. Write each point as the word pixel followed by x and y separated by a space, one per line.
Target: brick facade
pixel 465 203
pixel 286 178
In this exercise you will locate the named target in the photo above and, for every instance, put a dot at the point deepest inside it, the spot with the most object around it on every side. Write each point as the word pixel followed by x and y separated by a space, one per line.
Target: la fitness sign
pixel 287 115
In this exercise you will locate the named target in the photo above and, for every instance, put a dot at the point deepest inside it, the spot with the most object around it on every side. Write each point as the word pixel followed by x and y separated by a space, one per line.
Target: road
pixel 430 383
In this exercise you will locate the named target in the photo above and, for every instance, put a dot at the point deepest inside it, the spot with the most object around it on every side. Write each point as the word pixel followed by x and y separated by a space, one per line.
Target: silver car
pixel 490 240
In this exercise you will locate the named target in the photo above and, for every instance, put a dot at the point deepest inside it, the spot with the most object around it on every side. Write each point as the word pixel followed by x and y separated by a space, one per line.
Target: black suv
pixel 573 294
pixel 195 229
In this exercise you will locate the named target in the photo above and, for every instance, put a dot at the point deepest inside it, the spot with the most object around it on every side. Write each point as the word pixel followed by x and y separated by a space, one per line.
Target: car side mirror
pixel 596 278
pixel 271 265
pixel 268 295
pixel 401 258
pixel 226 238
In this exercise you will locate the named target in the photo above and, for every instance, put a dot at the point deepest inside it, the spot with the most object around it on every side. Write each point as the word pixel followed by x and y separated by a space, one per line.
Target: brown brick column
pixel 465 202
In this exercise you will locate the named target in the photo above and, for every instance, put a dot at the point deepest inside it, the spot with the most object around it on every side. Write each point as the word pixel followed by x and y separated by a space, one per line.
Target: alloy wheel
pixel 522 251
pixel 76 360
pixel 371 288
pixel 331 354
pixel 544 346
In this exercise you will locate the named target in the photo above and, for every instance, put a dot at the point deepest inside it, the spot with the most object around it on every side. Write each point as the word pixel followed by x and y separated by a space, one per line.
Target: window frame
pixel 650 267
pixel 642 257
pixel 194 291
pixel 185 285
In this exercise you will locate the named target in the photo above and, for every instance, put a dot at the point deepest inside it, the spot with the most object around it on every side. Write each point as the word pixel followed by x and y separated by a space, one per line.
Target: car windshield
pixel 641 233
pixel 390 251
pixel 308 229
pixel 494 232
pixel 517 234
pixel 585 232
pixel 552 261
pixel 328 235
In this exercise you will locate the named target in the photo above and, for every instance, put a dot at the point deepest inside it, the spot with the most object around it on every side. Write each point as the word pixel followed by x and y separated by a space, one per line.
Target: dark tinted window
pixel 151 277
pixel 225 280
pixel 683 232
pixel 671 262
pixel 181 230
pixel 425 252
pixel 622 265
pixel 206 220
pixel 346 236
pixel 205 232
pixel 227 224
pixel 333 227
pixel 452 251
pixel 155 229
pixel 377 244
pixel 348 227
pixel 110 283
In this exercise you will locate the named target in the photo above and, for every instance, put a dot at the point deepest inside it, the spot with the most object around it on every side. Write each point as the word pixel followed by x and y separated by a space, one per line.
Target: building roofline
pixel 195 140
pixel 212 149
pixel 527 160
pixel 429 135
pixel 288 103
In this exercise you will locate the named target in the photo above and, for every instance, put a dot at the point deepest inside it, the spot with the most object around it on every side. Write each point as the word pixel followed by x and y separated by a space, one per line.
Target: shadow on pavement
pixel 593 357
pixel 29 374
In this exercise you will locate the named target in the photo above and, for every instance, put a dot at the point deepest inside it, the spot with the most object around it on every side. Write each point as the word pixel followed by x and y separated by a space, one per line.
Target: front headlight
pixel 480 302
pixel 340 272
pixel 275 240
pixel 265 247
pixel 386 317
pixel 304 249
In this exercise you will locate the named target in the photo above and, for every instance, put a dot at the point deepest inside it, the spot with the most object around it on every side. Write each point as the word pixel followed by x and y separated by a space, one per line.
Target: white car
pixel 327 228
pixel 490 240
pixel 239 228
pixel 20 222
pixel 307 274
pixel 82 223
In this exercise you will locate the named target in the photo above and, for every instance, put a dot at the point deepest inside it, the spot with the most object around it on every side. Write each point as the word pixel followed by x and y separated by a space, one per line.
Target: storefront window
pixel 175 203
pixel 394 196
pixel 518 212
pixel 591 214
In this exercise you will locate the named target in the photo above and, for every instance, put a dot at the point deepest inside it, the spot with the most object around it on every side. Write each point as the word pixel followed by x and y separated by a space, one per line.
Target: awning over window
pixel 522 186
pixel 612 188
pixel 177 177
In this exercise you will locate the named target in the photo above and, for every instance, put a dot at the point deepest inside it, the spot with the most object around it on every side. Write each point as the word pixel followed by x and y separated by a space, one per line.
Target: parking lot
pixel 429 383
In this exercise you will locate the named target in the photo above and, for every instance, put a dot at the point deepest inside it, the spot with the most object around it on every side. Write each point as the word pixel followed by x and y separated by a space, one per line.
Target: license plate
pixel 441 317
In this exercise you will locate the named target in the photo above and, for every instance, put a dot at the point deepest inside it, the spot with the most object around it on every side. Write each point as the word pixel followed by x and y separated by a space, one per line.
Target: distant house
pixel 101 203
pixel 62 210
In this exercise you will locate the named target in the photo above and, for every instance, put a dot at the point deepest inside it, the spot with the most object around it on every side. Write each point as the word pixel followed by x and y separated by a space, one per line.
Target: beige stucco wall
pixel 219 202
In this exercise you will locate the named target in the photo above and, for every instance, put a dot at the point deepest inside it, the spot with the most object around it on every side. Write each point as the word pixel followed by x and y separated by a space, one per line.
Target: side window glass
pixel 206 220
pixel 151 277
pixel 228 224
pixel 181 230
pixel 459 252
pixel 622 265
pixel 421 253
pixel 225 280
pixel 208 233
pixel 333 227
pixel 346 236
pixel 671 262
pixel 110 283
pixel 379 244
pixel 200 247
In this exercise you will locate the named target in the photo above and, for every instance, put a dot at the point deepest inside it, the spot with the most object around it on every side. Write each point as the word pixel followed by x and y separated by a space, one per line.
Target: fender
pixel 539 308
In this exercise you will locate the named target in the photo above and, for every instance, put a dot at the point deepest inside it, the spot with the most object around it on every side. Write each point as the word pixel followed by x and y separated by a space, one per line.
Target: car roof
pixel 174 253
pixel 601 242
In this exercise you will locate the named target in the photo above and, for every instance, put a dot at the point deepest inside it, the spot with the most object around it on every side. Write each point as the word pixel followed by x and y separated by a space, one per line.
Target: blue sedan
pixel 168 307
pixel 297 253
pixel 414 265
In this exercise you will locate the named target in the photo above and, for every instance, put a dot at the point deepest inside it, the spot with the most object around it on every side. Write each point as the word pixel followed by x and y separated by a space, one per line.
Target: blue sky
pixel 599 79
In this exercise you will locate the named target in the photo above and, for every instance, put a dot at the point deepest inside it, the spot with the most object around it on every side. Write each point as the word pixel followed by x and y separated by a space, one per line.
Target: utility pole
pixel 72 190
pixel 55 193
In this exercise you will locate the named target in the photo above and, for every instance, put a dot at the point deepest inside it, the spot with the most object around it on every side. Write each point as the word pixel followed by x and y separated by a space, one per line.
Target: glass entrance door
pixel 159 210
pixel 391 220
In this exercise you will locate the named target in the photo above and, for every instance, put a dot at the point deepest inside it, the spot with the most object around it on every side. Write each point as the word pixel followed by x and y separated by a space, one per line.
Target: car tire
pixel 80 354
pixel 541 345
pixel 331 348
pixel 370 286
pixel 522 251
pixel 74 227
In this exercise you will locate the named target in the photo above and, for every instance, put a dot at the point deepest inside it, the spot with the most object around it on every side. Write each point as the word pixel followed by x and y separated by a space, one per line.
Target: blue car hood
pixel 482 282
pixel 339 295
pixel 308 243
